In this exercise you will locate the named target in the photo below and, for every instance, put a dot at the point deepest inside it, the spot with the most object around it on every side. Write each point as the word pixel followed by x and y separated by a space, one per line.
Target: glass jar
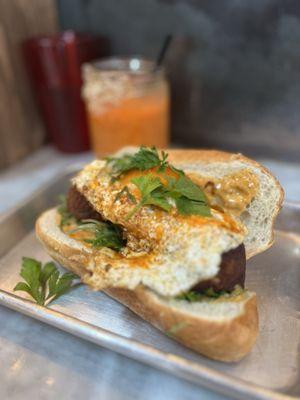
pixel 127 103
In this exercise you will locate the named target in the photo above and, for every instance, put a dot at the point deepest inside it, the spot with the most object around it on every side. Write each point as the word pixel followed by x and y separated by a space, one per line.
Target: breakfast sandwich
pixel 168 234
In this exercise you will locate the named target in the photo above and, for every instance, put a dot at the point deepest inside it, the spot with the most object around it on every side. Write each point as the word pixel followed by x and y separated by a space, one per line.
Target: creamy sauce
pixel 224 221
pixel 232 193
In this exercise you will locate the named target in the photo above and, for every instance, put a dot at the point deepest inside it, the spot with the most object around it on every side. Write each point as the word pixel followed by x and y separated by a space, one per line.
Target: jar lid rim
pixel 133 65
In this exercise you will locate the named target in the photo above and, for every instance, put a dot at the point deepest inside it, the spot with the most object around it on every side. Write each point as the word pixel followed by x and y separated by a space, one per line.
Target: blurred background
pixel 232 69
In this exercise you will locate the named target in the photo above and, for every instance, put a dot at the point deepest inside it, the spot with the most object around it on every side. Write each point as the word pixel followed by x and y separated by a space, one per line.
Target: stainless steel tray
pixel 271 371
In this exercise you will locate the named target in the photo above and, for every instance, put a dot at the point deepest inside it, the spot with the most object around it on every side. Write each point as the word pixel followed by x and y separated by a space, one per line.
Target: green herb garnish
pixel 44 283
pixel 184 186
pixel 66 217
pixel 152 193
pixel 188 197
pixel 212 293
pixel 193 296
pixel 125 192
pixel 105 234
pixel 144 159
pixel 190 296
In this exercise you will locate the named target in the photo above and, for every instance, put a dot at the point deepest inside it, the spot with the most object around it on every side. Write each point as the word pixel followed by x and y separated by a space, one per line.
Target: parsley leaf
pixel 105 234
pixel 144 159
pixel 158 198
pixel 30 272
pixel 152 193
pixel 186 187
pixel 190 296
pixel 193 296
pixel 59 285
pixel 147 183
pixel 186 206
pixel 189 197
pixel 125 192
pixel 43 283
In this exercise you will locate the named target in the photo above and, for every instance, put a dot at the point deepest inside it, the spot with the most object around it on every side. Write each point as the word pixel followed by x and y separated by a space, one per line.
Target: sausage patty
pixel 79 206
pixel 232 272
pixel 233 264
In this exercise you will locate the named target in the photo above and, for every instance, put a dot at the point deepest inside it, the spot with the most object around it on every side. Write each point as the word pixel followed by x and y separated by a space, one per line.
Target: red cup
pixel 54 67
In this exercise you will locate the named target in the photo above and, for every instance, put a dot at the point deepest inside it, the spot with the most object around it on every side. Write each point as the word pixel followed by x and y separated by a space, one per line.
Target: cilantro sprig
pixel 179 189
pixel 44 282
pixel 193 296
pixel 188 197
pixel 152 193
pixel 105 234
pixel 125 192
pixel 144 159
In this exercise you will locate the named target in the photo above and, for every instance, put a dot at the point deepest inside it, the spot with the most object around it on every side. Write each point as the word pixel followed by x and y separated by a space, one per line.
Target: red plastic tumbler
pixel 54 67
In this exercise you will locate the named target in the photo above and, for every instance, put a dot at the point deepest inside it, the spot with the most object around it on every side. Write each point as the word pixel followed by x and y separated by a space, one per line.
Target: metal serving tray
pixel 271 371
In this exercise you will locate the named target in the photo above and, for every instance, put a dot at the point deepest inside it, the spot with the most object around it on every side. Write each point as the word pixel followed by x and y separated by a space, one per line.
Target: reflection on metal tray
pixel 271 371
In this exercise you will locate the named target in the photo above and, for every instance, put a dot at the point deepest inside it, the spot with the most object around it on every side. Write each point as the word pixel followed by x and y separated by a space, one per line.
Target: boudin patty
pixel 79 207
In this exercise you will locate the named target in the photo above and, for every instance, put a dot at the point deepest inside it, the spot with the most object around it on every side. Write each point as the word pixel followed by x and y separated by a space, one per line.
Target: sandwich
pixel 168 235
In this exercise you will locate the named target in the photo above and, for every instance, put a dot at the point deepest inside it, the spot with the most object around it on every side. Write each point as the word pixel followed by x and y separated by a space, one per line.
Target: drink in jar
pixel 127 103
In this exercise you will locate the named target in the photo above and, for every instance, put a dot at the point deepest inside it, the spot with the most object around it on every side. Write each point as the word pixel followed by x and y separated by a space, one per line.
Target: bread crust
pixel 225 340
pixel 229 340
pixel 190 156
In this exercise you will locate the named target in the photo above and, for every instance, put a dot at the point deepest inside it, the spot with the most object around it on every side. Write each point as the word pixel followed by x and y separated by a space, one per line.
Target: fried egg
pixel 166 252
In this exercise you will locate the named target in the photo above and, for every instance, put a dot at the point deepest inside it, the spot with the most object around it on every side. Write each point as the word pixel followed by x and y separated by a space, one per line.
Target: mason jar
pixel 127 103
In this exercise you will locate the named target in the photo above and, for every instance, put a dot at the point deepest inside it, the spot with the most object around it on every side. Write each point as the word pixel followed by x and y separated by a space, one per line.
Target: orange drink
pixel 127 104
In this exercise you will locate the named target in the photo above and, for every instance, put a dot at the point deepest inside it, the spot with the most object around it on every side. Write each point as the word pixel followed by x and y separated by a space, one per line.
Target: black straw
pixel 163 51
